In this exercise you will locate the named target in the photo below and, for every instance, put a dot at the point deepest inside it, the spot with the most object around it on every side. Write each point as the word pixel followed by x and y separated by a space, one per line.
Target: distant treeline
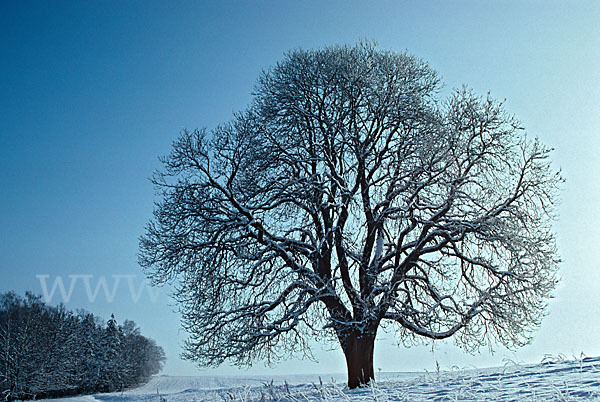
pixel 48 351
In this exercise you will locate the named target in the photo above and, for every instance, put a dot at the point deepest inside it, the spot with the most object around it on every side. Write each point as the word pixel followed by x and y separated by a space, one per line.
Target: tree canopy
pixel 351 196
pixel 48 351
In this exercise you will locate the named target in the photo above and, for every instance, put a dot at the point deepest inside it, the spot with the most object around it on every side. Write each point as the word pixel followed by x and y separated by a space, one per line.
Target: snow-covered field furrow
pixel 558 380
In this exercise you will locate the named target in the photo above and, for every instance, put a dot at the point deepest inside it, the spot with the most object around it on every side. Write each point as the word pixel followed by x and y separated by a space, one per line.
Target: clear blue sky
pixel 93 91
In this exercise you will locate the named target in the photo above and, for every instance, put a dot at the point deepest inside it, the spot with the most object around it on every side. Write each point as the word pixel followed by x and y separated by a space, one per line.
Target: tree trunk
pixel 359 359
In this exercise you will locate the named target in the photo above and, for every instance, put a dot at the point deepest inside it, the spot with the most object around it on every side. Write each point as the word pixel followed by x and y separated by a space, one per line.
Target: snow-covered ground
pixel 552 380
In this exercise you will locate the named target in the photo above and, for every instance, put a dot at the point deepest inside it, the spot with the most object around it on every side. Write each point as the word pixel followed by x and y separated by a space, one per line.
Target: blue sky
pixel 93 92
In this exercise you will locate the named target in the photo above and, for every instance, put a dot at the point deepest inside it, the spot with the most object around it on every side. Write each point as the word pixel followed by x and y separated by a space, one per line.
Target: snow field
pixel 554 379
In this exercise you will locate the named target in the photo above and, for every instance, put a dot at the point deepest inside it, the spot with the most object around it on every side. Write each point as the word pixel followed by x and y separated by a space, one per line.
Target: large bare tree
pixel 350 197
